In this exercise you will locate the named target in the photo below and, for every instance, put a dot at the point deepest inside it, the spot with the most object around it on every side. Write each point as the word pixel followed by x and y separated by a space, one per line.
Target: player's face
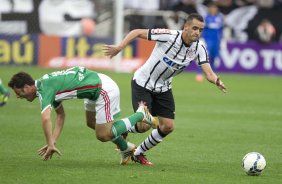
pixel 192 31
pixel 26 92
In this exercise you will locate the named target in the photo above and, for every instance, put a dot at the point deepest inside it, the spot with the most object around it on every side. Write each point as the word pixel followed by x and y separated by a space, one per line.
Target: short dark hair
pixel 193 16
pixel 20 79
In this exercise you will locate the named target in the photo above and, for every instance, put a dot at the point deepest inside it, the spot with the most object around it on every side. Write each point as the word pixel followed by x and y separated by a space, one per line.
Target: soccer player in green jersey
pixel 101 101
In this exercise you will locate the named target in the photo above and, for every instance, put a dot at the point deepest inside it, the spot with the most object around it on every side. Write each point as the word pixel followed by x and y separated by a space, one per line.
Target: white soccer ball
pixel 253 163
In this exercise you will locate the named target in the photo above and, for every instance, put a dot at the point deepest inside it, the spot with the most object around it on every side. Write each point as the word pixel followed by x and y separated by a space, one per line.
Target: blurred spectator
pixel 265 31
pixel 168 4
pixel 187 6
pixel 67 17
pixel 137 21
pixel 265 3
pixel 241 3
pixel 226 6
pixel 175 22
pixel 212 34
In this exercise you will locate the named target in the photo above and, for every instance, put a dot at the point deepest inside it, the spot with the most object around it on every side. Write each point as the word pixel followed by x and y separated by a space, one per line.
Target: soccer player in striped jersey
pixel 101 101
pixel 173 52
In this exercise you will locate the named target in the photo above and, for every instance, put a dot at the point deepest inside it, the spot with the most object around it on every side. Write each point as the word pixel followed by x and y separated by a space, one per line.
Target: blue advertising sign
pixel 18 49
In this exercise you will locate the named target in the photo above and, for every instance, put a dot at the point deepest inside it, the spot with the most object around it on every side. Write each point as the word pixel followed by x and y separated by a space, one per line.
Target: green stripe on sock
pixel 120 142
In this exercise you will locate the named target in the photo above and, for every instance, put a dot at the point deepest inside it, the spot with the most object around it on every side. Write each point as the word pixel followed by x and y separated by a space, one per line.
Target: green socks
pixel 121 126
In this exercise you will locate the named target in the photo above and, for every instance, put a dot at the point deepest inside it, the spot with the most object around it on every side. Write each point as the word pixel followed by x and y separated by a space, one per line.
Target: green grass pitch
pixel 213 131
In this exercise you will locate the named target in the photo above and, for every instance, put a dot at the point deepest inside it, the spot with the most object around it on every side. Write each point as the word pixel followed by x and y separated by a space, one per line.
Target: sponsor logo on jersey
pixel 168 61
pixel 172 64
pixel 160 31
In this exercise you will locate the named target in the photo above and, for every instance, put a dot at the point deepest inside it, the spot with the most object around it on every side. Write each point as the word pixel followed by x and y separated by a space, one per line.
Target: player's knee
pixel 102 137
pixel 143 127
pixel 167 128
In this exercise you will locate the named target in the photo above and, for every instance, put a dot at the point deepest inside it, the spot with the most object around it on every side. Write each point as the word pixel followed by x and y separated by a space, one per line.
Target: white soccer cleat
pixel 126 154
pixel 148 118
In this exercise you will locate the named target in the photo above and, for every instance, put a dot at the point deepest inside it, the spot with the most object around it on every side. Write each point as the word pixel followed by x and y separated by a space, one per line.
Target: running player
pixel 173 52
pixel 101 101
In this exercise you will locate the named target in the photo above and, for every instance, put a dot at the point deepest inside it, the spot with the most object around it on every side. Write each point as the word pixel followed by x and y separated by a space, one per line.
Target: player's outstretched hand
pixel 111 50
pixel 42 150
pixel 220 85
pixel 46 152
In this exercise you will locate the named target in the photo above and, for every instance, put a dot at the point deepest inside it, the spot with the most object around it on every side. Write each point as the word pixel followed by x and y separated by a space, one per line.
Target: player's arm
pixel 212 77
pixel 59 122
pixel 112 50
pixel 203 60
pixel 47 126
pixel 47 151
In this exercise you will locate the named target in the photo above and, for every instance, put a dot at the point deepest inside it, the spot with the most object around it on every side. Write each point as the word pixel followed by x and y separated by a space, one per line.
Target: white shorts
pixel 107 106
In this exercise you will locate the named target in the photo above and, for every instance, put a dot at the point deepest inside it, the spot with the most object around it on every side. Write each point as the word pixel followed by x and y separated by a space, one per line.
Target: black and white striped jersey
pixel 169 58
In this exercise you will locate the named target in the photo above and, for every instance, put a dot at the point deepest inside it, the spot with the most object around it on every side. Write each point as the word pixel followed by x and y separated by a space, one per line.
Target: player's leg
pixel 90 119
pixel 3 89
pixel 140 94
pixel 163 106
pixel 107 109
pixel 4 94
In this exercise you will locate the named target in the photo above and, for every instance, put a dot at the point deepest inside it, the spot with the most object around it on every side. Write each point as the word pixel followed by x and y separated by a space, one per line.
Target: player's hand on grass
pixel 46 152
pixel 42 150
pixel 111 50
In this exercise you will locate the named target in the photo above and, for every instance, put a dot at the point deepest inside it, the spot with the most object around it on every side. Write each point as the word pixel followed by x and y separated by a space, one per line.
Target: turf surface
pixel 213 131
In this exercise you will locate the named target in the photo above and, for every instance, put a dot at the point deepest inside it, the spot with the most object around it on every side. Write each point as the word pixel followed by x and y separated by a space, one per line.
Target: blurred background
pixel 65 33
pixel 212 131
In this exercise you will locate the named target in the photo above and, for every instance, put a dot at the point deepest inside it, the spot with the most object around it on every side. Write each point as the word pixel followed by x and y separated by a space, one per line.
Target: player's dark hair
pixel 20 79
pixel 193 16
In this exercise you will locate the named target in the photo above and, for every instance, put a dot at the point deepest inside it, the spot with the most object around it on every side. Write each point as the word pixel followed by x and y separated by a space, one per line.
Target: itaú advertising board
pixel 65 52
pixel 87 52
pixel 250 57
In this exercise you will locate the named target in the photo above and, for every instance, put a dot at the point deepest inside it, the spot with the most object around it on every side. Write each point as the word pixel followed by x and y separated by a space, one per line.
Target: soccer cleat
pixel 126 154
pixel 141 159
pixel 148 118
pixel 4 98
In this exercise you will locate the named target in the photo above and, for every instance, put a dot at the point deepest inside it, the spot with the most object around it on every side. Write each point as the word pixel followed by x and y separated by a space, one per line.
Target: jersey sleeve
pixel 46 97
pixel 161 35
pixel 202 56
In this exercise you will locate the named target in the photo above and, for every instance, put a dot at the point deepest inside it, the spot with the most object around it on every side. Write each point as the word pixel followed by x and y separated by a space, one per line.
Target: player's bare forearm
pixel 47 126
pixel 213 78
pixel 136 33
pixel 113 50
pixel 59 124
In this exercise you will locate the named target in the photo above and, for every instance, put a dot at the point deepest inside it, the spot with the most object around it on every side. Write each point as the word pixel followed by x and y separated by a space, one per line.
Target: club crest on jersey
pixel 191 52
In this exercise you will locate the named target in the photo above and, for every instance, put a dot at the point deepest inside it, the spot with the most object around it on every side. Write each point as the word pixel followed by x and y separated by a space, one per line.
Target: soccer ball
pixel 253 163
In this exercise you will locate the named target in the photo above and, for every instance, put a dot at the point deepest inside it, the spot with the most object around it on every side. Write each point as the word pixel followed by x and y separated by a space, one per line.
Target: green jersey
pixel 76 82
